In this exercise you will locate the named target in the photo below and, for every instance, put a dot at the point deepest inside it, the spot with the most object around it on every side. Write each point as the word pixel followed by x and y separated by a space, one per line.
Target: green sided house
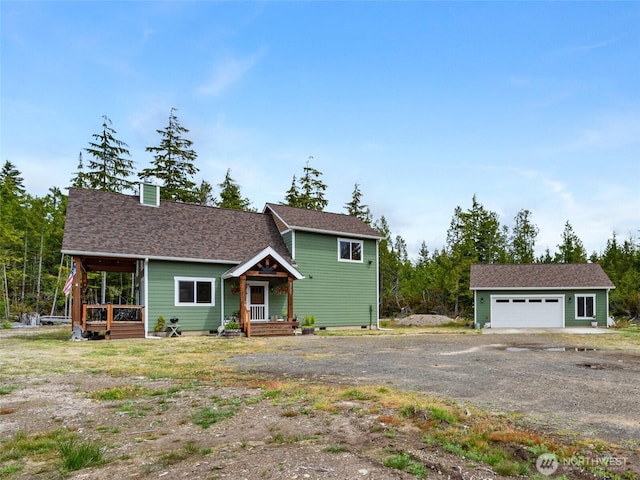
pixel 540 295
pixel 202 265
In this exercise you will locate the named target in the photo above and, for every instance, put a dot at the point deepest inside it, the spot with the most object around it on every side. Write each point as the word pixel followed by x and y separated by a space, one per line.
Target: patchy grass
pixel 77 454
pixel 6 389
pixel 221 410
pixel 59 448
pixel 194 362
pixel 118 393
pixel 402 461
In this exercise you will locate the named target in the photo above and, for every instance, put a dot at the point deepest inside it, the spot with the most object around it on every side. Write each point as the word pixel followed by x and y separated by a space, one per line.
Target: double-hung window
pixel 585 306
pixel 349 250
pixel 194 291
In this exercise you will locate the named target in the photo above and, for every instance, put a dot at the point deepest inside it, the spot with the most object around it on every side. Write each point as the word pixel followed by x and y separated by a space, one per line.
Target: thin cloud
pixel 586 48
pixel 228 72
pixel 613 132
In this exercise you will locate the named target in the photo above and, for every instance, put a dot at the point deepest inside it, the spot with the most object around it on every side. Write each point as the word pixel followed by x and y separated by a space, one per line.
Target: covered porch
pixel 90 310
pixel 258 279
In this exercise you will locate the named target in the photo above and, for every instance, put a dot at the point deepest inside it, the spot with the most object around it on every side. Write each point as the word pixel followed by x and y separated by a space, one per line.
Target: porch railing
pixel 258 312
pixel 109 313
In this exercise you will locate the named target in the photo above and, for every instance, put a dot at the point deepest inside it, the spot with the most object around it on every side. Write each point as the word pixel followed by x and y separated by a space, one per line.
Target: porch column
pixel 76 293
pixel 243 300
pixel 290 298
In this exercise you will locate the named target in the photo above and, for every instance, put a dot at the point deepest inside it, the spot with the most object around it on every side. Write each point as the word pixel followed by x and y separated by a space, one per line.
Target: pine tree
pixel 173 163
pixel 356 208
pixel 571 249
pixel 523 238
pixel 204 194
pixel 80 179
pixel 230 196
pixel 309 191
pixel 109 170
pixel 292 196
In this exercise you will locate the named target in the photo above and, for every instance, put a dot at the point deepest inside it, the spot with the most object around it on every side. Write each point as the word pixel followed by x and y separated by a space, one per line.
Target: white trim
pixel 176 292
pixel 244 266
pixel 221 301
pixel 527 289
pixel 338 232
pixel 351 241
pixel 265 286
pixel 575 305
pixel 141 193
pixel 145 294
pixel 150 257
pixel 293 244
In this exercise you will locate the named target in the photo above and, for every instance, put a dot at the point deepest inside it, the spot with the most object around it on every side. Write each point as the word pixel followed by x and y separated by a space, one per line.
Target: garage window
pixel 585 306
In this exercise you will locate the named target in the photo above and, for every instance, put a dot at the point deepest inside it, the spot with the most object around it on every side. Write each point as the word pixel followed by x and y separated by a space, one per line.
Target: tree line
pixel 31 230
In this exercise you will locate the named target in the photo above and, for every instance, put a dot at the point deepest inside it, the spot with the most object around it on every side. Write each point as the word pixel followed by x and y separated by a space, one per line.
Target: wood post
pixel 290 298
pixel 76 293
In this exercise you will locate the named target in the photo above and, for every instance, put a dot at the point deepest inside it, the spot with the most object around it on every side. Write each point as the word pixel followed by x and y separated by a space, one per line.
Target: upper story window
pixel 349 250
pixel 585 306
pixel 194 291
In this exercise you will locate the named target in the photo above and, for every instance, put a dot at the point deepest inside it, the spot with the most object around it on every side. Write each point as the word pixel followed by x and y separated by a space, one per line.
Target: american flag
pixel 69 284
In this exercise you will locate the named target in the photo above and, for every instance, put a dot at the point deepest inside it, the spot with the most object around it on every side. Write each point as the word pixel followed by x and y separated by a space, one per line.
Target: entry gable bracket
pixel 266 263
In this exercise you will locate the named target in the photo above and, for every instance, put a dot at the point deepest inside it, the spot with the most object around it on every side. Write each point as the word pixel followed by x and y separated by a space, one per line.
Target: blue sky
pixel 527 105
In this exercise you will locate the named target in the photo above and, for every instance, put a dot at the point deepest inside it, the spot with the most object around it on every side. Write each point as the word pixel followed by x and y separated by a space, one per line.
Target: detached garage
pixel 540 295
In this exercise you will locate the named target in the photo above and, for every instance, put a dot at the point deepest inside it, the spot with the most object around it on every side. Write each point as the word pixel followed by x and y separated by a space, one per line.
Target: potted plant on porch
pixel 160 326
pixel 308 326
pixel 232 329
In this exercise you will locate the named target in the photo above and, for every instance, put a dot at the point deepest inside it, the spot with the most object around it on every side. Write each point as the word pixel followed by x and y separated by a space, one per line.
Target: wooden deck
pixel 115 321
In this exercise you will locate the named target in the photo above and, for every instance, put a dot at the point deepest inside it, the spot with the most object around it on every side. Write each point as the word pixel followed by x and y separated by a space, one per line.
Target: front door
pixel 258 301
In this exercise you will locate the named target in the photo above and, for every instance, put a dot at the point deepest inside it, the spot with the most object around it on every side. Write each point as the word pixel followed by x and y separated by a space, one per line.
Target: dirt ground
pixel 562 388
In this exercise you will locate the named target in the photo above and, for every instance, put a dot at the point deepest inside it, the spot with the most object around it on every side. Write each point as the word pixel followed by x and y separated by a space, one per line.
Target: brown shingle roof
pixel 539 276
pixel 322 222
pixel 112 223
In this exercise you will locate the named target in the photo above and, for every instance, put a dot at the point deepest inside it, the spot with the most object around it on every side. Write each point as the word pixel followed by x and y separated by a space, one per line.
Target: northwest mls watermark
pixel 548 463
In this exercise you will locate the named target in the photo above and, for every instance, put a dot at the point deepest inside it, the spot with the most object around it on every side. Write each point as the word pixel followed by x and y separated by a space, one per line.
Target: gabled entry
pixel 256 277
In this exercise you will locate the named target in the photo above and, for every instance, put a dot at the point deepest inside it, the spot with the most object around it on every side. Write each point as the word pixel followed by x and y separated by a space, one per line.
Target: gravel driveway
pixel 560 386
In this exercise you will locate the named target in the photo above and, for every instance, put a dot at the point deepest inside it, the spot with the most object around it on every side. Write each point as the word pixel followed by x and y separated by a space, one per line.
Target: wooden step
pixel 121 330
pixel 273 329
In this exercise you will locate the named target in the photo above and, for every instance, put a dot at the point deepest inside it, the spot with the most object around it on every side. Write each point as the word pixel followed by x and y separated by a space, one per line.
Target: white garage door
pixel 527 311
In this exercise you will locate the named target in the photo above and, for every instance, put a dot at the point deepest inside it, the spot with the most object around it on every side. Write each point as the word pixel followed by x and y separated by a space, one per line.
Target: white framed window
pixel 195 291
pixel 349 250
pixel 585 306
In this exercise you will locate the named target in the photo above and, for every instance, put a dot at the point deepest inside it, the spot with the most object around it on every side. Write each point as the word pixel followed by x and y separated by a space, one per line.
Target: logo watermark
pixel 548 463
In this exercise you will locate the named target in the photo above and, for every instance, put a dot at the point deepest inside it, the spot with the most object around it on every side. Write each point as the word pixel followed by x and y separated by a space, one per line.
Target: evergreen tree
pixel 109 170
pixel 571 249
pixel 309 192
pixel 230 196
pixel 173 163
pixel 546 257
pixel 356 208
pixel 474 236
pixel 204 194
pixel 423 255
pixel 11 183
pixel 622 265
pixel 13 200
pixel 80 179
pixel 292 197
pixel 523 238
